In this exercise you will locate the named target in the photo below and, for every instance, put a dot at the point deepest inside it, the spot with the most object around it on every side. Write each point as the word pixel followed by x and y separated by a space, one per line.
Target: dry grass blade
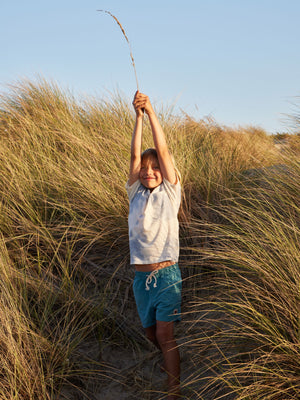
pixel 124 33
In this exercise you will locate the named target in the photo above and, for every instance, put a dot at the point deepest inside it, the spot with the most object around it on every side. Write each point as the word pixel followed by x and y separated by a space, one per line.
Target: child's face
pixel 150 174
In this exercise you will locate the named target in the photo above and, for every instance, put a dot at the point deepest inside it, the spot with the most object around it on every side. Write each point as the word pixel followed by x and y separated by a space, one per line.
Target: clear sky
pixel 237 61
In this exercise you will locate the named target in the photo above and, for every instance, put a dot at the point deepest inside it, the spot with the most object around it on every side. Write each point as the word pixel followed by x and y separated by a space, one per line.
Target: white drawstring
pixel 149 279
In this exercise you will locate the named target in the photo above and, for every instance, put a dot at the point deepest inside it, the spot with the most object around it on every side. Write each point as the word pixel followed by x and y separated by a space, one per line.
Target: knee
pixel 164 336
pixel 151 336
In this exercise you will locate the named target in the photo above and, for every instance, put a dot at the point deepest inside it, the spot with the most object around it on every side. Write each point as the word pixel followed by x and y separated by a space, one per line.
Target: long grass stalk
pixel 127 40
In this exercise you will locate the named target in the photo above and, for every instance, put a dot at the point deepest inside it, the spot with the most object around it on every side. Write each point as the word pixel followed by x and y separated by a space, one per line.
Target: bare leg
pixel 151 335
pixel 168 345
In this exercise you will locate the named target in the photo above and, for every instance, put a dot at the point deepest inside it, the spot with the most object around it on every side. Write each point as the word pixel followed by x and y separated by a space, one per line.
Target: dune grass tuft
pixel 64 257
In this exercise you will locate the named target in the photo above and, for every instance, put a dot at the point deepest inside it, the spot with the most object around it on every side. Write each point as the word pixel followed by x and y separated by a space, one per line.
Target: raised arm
pixel 136 141
pixel 164 157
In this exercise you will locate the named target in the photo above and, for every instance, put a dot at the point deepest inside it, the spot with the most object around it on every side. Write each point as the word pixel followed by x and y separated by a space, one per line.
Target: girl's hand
pixel 142 104
pixel 137 104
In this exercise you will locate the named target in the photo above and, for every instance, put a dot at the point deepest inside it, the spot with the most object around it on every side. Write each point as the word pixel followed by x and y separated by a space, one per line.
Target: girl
pixel 154 195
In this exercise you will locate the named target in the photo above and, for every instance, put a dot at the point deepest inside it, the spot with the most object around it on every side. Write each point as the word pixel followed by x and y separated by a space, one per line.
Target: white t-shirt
pixel 153 223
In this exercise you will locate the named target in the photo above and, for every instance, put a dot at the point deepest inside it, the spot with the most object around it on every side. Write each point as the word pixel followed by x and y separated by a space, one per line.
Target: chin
pixel 151 185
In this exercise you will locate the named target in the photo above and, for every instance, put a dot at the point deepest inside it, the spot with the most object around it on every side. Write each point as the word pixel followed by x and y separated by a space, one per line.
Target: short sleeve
pixel 132 190
pixel 173 191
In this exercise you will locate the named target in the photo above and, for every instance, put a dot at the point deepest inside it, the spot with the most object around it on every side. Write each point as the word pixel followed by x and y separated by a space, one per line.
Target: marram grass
pixel 252 309
pixel 66 279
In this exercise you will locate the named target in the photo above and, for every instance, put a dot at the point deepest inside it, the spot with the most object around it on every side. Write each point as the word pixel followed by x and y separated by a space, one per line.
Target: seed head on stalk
pixel 124 33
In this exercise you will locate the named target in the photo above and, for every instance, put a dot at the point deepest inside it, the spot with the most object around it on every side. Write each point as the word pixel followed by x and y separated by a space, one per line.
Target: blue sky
pixel 237 61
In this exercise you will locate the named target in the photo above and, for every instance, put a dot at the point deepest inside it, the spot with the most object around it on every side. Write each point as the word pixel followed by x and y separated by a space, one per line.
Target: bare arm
pixel 164 157
pixel 136 142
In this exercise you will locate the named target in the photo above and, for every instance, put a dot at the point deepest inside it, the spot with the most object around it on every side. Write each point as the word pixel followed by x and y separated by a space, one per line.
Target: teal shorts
pixel 158 295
